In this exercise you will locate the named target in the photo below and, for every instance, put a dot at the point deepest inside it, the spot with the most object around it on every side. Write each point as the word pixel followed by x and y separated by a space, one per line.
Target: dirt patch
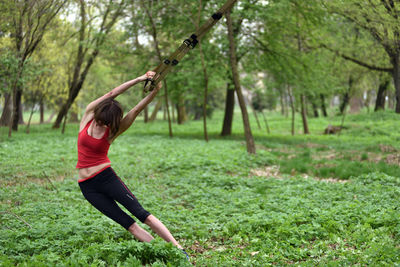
pixel 393 159
pixel 267 171
pixel 387 149
pixel 328 180
pixel 273 172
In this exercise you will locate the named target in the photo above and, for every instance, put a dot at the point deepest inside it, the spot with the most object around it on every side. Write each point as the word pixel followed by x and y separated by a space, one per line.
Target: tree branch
pixel 359 62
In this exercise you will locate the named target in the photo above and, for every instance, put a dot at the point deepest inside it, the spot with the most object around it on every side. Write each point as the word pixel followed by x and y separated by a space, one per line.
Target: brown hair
pixel 109 112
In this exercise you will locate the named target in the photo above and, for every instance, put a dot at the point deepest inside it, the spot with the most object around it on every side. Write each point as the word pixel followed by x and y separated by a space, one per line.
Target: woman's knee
pixel 151 219
pixel 134 228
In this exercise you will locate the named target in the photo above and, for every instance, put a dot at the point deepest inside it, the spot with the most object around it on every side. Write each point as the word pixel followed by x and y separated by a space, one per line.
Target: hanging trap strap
pixel 165 67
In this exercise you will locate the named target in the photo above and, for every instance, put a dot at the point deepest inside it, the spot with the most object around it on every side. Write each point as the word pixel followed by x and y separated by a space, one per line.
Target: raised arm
pixel 88 115
pixel 130 117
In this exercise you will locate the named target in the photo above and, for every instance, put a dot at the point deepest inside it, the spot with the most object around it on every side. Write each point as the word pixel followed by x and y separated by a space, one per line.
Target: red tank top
pixel 92 151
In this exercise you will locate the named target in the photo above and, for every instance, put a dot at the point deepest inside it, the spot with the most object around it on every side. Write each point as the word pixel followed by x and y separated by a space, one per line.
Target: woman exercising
pixel 101 124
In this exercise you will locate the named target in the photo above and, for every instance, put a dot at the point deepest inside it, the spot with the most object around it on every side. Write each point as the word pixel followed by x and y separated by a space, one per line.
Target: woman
pixel 101 124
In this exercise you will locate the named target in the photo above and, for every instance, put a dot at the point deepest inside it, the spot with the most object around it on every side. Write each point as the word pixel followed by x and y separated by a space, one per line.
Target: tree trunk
pixel 155 110
pixel 345 102
pixel 7 110
pixel 203 64
pixel 41 108
pixel 182 116
pixel 251 149
pixel 291 101
pixel 229 107
pixel 282 100
pixel 158 52
pixel 381 96
pixel 266 122
pixel 396 79
pixel 304 114
pixel 323 106
pixel 63 111
pixel 84 61
pixel 16 94
pixel 29 120
pixel 315 109
pixel 51 117
pixel 17 115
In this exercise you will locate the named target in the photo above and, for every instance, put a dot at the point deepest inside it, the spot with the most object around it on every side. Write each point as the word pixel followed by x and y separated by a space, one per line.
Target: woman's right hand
pixel 149 75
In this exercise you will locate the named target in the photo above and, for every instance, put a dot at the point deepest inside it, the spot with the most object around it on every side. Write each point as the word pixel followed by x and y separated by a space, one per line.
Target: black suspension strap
pixel 165 67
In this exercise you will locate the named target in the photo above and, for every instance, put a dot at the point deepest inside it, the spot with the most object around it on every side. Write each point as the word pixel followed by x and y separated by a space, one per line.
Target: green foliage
pixel 210 195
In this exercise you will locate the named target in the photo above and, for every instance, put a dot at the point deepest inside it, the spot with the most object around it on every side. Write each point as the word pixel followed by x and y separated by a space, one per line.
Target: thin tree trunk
pixel 342 123
pixel 381 96
pixel 182 116
pixel 345 102
pixel 229 108
pixel 7 110
pixel 291 101
pixel 396 79
pixel 41 108
pixel 82 60
pixel 323 106
pixel 30 118
pixel 281 98
pixel 304 113
pixel 251 149
pixel 203 64
pixel 65 122
pixel 13 123
pixel 157 47
pixel 51 117
pixel 266 122
pixel 157 107
pixel 315 109
pixel 255 115
pixel 17 115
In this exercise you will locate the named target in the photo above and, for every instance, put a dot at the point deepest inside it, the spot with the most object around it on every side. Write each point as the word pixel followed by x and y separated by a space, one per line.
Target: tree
pixel 154 34
pixel 379 18
pixel 251 149
pixel 91 37
pixel 29 21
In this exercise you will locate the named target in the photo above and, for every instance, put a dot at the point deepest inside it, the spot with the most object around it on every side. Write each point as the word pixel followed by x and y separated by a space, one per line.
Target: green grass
pixel 222 204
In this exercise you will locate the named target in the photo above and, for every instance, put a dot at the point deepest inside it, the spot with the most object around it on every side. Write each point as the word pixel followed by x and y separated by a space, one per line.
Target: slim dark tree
pixel 89 44
pixel 30 20
pixel 251 149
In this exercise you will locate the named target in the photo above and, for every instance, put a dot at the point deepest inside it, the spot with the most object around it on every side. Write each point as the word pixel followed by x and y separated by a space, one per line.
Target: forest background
pixel 310 88
pixel 287 55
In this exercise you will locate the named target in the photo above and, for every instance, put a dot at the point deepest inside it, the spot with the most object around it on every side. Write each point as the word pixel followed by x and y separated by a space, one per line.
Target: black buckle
pixel 217 16
pixel 147 81
pixel 192 42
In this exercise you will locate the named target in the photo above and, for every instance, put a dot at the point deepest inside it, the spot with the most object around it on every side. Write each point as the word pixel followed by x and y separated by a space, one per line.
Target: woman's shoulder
pixel 86 119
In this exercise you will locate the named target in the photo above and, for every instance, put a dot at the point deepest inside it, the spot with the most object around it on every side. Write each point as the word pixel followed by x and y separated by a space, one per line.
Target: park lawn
pixel 303 200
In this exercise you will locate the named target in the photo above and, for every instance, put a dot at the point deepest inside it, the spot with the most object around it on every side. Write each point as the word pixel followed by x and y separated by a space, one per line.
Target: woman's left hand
pixel 150 74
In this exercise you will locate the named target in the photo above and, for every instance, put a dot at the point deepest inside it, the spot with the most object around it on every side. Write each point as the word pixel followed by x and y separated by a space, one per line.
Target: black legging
pixel 104 189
